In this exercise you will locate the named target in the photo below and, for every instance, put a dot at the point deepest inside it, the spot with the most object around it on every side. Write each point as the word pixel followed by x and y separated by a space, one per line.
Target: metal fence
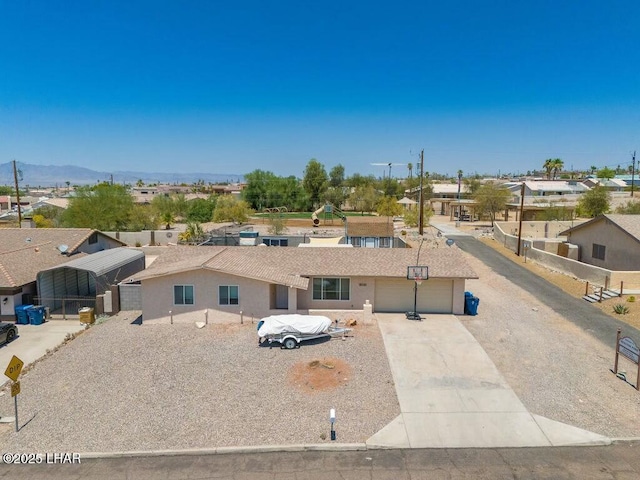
pixel 65 307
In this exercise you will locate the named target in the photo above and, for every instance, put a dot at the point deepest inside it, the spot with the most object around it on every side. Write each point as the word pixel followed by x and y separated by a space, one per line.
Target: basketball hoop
pixel 418 280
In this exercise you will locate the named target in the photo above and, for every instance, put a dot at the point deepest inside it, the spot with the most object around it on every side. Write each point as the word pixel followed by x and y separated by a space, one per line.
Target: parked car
pixel 8 331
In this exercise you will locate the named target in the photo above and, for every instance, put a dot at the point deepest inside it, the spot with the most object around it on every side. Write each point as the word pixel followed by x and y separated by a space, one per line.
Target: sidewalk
pixel 451 394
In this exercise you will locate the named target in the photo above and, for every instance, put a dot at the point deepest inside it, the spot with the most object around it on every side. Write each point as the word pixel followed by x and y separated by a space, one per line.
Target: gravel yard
pixel 557 369
pixel 124 387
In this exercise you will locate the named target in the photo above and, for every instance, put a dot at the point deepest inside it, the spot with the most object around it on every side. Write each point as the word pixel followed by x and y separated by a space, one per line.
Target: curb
pixel 615 441
pixel 336 447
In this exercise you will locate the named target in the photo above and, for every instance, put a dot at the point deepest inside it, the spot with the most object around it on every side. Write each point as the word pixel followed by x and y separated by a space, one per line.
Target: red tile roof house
pixel 26 251
pixel 185 282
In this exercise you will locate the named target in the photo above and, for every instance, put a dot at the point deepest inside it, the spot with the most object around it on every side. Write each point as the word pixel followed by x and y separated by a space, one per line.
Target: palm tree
pixel 548 166
pixel 557 166
pixel 593 169
pixel 410 167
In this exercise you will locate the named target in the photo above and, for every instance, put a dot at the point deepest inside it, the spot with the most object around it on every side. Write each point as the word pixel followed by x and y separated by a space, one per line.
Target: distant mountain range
pixel 52 175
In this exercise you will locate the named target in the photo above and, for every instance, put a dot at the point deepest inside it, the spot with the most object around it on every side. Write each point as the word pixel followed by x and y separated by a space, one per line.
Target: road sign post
pixel 13 372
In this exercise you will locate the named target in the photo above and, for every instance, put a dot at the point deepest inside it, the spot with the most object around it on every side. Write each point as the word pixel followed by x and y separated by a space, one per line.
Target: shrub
pixel 631 299
pixel 620 309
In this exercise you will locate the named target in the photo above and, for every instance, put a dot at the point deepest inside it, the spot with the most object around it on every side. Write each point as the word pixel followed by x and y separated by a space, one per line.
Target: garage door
pixel 396 295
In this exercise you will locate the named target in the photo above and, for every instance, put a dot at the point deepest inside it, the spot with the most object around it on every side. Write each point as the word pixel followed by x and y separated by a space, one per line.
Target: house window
pixel 385 242
pixel 93 238
pixel 183 295
pixel 331 288
pixel 276 242
pixel 598 251
pixel 228 295
pixel 355 241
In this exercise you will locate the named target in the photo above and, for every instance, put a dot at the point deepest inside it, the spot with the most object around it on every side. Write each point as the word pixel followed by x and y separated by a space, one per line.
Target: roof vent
pixel 63 248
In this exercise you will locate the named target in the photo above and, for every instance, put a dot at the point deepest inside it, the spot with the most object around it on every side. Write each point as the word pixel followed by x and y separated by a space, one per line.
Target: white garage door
pixel 396 295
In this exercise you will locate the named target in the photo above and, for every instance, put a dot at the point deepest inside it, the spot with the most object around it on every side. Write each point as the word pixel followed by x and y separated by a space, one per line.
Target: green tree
pixel 104 206
pixel 200 209
pixel 548 166
pixel 229 209
pixel 558 165
pixel 491 198
pixel 42 222
pixel 629 208
pixel 472 185
pixel 335 196
pixel 256 188
pixel 607 173
pixel 315 181
pixel 336 176
pixel 163 206
pixel 51 214
pixel 556 212
pixel 277 223
pixel 142 218
pixel 364 198
pixel 411 216
pixel 193 233
pixel 388 207
pixel 266 190
pixel 594 202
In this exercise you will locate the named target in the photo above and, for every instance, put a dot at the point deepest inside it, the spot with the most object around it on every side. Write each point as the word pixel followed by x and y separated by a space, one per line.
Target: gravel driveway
pixel 558 369
pixel 124 387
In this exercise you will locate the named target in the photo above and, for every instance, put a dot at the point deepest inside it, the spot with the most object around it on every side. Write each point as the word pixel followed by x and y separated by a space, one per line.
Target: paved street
pixel 620 462
pixel 581 313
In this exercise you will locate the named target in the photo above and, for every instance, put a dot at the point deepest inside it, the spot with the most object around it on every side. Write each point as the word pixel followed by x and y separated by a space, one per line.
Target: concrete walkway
pixel 33 341
pixel 451 394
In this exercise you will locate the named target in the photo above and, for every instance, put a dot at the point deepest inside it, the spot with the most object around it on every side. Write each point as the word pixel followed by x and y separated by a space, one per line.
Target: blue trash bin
pixel 471 304
pixel 21 314
pixel 36 315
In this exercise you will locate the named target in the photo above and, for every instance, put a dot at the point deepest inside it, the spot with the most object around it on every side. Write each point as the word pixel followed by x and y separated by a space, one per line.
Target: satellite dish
pixel 63 248
pixel 450 242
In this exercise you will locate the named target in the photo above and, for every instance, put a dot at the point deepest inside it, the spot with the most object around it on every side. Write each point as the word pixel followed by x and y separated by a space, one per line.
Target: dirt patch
pixel 319 375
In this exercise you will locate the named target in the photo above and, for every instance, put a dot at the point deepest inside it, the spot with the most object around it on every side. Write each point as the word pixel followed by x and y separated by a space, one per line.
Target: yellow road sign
pixel 14 368
pixel 15 389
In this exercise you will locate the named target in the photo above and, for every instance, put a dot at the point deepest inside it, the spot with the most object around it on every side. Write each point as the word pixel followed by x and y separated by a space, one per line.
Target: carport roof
pixel 102 262
pixel 291 265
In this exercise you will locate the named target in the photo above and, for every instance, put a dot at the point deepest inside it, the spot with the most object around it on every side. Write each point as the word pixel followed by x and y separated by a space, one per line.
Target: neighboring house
pixel 370 232
pixel 24 252
pixel 608 241
pixel 613 184
pixel 263 281
pixel 546 188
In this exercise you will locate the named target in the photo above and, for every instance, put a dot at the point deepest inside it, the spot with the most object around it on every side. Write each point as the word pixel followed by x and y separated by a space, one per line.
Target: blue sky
pixel 230 87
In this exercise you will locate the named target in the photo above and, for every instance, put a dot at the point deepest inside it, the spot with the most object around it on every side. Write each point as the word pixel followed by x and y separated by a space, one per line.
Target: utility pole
pixel 633 171
pixel 521 212
pixel 421 198
pixel 15 179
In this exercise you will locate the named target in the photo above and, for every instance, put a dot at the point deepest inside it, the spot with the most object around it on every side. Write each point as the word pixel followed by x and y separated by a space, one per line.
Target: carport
pixel 87 276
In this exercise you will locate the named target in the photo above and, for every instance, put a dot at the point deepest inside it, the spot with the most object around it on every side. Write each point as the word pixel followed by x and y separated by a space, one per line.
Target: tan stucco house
pixel 610 241
pixel 185 281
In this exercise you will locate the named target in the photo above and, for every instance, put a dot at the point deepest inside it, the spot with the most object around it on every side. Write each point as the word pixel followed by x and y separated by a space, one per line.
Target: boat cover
pixel 293 323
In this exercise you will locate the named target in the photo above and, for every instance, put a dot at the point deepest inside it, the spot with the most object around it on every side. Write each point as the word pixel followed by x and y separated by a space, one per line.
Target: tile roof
pixel 290 265
pixel 26 251
pixel 369 226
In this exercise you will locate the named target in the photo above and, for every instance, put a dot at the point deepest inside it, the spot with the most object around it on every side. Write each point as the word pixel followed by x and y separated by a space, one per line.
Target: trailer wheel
pixel 290 343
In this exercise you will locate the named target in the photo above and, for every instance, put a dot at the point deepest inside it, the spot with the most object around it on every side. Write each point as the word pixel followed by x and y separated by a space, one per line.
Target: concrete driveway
pixel 451 394
pixel 33 341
